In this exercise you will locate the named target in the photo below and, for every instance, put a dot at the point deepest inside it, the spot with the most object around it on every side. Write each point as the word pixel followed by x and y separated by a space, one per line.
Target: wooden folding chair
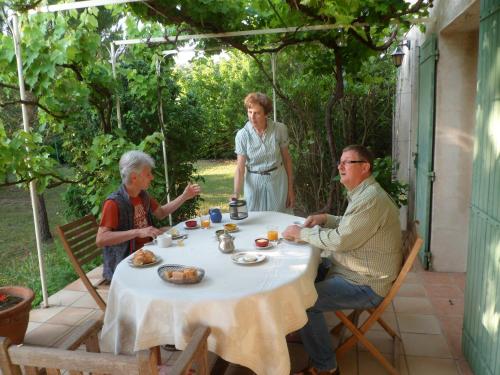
pixel 57 360
pixel 411 246
pixel 78 239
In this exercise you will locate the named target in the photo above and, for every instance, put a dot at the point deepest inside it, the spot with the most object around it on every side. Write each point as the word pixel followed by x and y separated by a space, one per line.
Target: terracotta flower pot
pixel 14 320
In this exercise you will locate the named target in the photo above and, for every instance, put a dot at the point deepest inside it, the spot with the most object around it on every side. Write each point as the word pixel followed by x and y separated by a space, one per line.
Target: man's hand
pixel 292 233
pixel 313 220
pixel 149 232
pixel 191 191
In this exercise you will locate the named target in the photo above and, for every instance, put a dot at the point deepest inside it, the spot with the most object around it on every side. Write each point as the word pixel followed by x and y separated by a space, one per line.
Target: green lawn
pixel 218 184
pixel 17 233
pixel 18 258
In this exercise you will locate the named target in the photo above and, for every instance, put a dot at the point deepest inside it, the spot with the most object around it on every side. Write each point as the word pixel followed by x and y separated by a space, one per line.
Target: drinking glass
pixel 272 233
pixel 205 222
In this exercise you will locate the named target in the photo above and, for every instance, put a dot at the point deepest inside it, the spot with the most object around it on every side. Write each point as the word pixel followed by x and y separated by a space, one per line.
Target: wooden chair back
pixel 411 246
pixel 66 358
pixel 79 242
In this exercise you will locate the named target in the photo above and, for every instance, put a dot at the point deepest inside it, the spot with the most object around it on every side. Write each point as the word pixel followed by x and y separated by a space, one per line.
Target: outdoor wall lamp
pixel 398 54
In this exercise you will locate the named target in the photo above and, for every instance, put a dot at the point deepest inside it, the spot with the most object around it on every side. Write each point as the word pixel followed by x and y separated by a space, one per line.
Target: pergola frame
pixel 93 3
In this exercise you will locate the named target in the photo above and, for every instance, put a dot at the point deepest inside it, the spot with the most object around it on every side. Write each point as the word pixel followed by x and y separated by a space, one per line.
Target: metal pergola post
pixel 33 194
pixel 113 69
pixel 273 68
pixel 164 141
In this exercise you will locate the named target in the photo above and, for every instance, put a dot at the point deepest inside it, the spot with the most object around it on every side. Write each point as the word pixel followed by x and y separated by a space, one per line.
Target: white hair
pixel 134 161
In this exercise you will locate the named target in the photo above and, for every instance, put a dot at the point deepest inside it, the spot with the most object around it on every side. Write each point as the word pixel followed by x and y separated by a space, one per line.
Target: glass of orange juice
pixel 272 233
pixel 205 222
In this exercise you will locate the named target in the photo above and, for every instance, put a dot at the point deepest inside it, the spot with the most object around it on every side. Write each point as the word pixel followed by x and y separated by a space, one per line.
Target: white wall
pixel 456 25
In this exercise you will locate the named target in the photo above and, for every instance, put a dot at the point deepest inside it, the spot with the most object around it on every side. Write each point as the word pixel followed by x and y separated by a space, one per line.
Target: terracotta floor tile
pixel 436 277
pixel 464 367
pixel 76 286
pixel 381 340
pixel 455 344
pixel 95 273
pixel 413 305
pixel 448 306
pixel 32 326
pixel 459 279
pixel 412 290
pixel 86 301
pixel 419 323
pixel 424 345
pixel 46 334
pixel 43 314
pixel 388 316
pixel 103 293
pixel 368 365
pixel 451 325
pixel 71 316
pixel 412 278
pixel 443 291
pixel 65 297
pixel 432 366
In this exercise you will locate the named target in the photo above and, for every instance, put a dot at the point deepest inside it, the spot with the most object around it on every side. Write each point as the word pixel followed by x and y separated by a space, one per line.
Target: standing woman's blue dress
pixel 268 191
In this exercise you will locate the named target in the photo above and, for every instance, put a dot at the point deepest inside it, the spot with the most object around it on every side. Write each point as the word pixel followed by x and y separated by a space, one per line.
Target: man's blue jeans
pixel 333 294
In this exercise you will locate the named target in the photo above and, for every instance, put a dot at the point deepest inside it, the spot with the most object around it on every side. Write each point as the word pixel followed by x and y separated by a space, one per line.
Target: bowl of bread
pixel 179 274
pixel 143 258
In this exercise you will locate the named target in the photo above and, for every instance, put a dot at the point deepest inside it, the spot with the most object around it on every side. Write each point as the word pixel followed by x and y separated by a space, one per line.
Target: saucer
pixel 189 228
pixel 236 228
pixel 269 246
pixel 248 258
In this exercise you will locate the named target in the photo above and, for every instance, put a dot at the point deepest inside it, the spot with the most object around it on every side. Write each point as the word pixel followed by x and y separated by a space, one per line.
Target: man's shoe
pixel 314 371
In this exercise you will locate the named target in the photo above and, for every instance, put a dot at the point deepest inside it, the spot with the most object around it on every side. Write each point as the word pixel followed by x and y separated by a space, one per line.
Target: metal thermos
pixel 238 209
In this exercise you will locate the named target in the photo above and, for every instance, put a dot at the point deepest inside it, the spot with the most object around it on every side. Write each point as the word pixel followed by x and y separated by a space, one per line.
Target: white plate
pixel 243 258
pixel 131 264
pixel 269 246
pixel 189 228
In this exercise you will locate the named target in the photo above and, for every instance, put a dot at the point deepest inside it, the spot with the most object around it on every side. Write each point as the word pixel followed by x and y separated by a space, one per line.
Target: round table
pixel 249 308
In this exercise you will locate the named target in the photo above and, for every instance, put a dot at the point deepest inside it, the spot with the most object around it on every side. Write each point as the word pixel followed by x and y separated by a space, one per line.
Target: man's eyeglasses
pixel 344 162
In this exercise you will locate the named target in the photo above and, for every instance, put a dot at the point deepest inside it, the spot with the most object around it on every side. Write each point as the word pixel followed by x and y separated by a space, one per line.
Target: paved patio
pixel 427 313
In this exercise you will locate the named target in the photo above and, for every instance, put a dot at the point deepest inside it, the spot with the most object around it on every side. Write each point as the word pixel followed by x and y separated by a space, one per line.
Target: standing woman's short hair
pixel 260 99
pixel 134 161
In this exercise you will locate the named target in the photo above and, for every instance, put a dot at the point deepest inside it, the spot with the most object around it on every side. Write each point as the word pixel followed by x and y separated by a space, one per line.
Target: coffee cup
pixel 164 240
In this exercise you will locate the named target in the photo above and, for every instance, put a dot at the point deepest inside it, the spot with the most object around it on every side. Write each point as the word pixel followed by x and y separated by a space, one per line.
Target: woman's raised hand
pixel 191 191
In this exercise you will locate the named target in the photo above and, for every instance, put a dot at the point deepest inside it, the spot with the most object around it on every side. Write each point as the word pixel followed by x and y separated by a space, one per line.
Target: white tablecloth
pixel 249 308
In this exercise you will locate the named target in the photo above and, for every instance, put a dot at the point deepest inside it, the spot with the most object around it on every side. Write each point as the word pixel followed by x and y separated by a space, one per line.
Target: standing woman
pixel 261 147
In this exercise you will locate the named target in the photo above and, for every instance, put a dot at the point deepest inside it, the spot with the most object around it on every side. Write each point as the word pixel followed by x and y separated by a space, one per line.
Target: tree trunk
pixel 43 220
pixel 336 96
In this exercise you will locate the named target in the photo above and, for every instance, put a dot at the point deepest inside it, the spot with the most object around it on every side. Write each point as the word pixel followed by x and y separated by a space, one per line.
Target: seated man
pixel 126 223
pixel 364 246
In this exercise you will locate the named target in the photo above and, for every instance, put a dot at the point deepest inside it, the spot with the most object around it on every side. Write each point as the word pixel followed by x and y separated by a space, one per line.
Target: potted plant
pixel 15 306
